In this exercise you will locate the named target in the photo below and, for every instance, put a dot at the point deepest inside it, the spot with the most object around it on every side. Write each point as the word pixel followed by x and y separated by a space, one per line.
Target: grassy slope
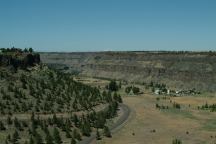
pixel 44 92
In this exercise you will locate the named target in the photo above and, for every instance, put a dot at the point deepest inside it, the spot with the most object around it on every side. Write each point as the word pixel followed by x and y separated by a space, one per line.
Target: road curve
pixel 114 128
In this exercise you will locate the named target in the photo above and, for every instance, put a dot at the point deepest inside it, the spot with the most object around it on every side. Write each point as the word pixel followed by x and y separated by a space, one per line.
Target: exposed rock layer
pixel 180 70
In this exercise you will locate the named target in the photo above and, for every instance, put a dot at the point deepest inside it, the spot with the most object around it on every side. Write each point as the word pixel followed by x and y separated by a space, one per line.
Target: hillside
pixel 42 105
pixel 178 70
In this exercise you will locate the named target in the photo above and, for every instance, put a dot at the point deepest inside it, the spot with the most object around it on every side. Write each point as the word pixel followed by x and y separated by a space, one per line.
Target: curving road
pixel 114 128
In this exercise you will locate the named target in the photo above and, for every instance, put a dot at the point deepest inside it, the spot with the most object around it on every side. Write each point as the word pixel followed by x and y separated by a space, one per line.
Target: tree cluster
pixel 134 89
pixel 206 106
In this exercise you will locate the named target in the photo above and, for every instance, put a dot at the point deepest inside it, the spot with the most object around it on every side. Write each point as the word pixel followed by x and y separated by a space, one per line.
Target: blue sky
pixel 99 25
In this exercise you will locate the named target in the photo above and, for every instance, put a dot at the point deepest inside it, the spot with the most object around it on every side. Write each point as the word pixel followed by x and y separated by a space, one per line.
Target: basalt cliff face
pixel 179 70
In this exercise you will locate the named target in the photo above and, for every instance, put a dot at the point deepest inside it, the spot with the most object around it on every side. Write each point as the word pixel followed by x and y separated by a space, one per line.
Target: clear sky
pixel 98 25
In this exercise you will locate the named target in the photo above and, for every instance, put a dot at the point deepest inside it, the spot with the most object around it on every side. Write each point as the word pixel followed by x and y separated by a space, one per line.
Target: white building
pixel 168 92
pixel 157 91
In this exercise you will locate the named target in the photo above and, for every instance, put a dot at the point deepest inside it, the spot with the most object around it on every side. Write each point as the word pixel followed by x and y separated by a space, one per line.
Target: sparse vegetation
pixel 41 94
pixel 206 106
pixel 41 105
pixel 176 141
pixel 133 89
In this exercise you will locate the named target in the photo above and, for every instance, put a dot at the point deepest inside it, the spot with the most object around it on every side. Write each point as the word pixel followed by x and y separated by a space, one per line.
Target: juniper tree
pixel 115 96
pixel 128 89
pixel 68 135
pixel 135 90
pixel 56 136
pixel 107 132
pixel 68 125
pixel 73 141
pixel 8 137
pixel 38 139
pixel 75 119
pixel 55 119
pixel 2 127
pixel 77 135
pixel 98 137
pixel 9 121
pixel 24 123
pixel 113 86
pixel 100 120
pixel 17 124
pixel 15 137
pixel 176 141
pixel 49 139
pixel 6 142
pixel 31 140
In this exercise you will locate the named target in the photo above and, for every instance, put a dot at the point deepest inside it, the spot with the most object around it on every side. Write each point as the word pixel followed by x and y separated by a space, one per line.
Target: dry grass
pixel 168 124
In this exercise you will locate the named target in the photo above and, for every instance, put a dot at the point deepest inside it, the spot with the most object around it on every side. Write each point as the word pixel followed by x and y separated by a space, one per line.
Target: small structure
pixel 131 92
pixel 168 91
pixel 157 91
pixel 177 92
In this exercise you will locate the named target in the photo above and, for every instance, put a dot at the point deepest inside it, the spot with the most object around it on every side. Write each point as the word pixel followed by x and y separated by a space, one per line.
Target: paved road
pixel 114 128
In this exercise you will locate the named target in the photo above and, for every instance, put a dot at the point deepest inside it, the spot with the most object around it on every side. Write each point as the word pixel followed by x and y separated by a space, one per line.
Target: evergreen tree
pixel 31 141
pixel 120 99
pixel 33 128
pixel 109 97
pixel 100 120
pixel 68 125
pixel 31 50
pixel 73 141
pixel 49 139
pixel 68 135
pixel 9 137
pixel 107 132
pixel 38 139
pixel 24 123
pixel 98 137
pixel 77 135
pixel 176 141
pixel 75 120
pixel 6 142
pixel 9 121
pixel 135 90
pixel 56 136
pixel 115 96
pixel 32 117
pixel 86 129
pixel 55 119
pixel 113 86
pixel 120 84
pixel 128 89
pixel 15 137
pixel 2 127
pixel 17 124
pixel 25 50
